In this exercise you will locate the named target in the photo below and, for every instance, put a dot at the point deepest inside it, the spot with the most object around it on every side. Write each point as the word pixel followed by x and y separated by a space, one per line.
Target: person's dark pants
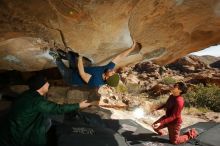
pixel 67 72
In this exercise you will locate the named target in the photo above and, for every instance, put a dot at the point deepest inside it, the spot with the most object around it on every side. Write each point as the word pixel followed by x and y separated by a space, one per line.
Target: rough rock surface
pixel 100 29
pixel 215 64
pixel 207 59
pixel 175 27
pixel 188 64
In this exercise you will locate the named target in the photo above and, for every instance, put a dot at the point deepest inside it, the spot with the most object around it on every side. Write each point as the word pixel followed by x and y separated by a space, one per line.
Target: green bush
pixel 204 97
pixel 133 88
pixel 121 88
pixel 169 80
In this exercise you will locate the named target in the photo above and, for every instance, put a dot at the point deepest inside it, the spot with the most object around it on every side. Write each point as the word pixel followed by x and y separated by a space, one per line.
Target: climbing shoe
pixel 54 54
pixel 62 54
pixel 193 133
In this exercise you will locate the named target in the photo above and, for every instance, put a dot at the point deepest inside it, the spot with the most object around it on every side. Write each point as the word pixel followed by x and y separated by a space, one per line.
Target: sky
pixel 213 51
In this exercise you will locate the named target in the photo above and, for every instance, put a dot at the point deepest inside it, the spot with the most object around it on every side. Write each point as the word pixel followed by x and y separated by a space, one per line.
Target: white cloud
pixel 213 51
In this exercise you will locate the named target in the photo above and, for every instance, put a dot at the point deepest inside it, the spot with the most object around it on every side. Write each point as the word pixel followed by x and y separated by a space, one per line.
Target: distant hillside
pixel 207 59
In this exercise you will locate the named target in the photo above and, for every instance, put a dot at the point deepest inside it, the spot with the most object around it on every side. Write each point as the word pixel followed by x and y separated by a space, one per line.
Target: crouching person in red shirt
pixel 172 120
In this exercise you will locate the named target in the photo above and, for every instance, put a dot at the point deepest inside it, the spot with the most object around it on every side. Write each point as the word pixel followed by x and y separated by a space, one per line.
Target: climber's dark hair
pixel 182 86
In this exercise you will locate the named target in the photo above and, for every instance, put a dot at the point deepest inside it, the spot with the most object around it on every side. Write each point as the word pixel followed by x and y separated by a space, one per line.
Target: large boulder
pixel 215 64
pixel 170 29
pixel 188 64
pixel 100 29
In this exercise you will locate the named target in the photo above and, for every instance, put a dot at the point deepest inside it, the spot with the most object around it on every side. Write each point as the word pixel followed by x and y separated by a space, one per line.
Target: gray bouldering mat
pixel 81 135
pixel 136 135
pixel 91 129
pixel 210 137
pixel 84 129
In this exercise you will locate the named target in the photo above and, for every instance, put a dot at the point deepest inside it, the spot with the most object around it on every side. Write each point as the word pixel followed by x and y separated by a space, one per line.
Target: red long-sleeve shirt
pixel 173 106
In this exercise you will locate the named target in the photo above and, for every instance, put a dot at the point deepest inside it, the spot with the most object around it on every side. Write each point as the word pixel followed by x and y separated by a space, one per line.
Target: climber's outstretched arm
pixel 124 54
pixel 85 76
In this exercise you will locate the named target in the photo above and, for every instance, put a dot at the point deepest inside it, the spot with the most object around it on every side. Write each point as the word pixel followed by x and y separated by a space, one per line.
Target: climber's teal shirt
pixel 25 125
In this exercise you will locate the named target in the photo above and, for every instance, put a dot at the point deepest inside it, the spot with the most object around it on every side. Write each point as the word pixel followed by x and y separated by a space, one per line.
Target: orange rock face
pixel 100 29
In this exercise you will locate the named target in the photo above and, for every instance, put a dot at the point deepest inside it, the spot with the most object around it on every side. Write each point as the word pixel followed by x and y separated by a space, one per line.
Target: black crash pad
pixel 89 129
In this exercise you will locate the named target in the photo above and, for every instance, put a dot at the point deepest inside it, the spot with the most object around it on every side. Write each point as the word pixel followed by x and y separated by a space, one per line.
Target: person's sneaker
pixel 193 133
pixel 54 54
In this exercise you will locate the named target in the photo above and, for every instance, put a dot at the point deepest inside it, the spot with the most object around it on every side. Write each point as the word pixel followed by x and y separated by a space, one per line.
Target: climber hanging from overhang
pixel 95 76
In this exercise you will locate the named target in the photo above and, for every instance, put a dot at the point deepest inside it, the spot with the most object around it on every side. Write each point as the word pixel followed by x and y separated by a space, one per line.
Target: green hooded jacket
pixel 25 125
